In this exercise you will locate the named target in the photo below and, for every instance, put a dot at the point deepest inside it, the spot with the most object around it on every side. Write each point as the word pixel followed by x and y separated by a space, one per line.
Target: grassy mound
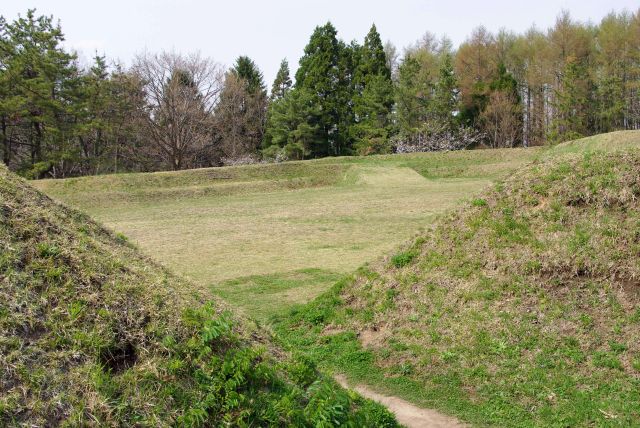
pixel 520 309
pixel 93 333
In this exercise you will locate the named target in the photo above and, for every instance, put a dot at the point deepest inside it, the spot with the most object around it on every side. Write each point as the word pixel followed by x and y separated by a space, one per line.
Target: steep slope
pixel 520 309
pixel 93 333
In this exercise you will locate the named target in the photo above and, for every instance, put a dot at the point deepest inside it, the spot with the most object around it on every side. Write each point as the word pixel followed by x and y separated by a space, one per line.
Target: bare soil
pixel 407 414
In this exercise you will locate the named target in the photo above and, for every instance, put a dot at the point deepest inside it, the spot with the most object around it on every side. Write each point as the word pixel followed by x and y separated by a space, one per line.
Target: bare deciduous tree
pixel 181 92
pixel 239 118
pixel 501 120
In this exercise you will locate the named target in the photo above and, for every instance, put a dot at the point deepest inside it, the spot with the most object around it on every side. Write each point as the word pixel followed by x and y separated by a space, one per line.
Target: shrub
pixel 436 136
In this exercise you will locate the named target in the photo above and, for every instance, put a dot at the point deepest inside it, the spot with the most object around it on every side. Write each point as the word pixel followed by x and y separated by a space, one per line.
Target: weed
pixel 605 359
pixel 47 250
pixel 617 348
pixel 402 259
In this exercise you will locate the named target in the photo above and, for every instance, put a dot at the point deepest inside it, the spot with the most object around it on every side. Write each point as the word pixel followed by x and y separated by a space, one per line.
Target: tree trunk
pixel 6 143
pixel 36 150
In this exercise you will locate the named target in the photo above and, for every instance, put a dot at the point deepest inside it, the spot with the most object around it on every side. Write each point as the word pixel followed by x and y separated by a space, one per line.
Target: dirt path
pixel 407 414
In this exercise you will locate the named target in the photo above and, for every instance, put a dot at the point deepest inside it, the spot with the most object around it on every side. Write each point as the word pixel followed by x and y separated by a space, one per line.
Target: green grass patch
pixel 402 259
pixel 265 296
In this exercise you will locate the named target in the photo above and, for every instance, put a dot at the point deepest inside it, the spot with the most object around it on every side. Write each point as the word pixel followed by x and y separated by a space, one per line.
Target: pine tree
pixel 282 83
pixel 292 126
pixel 373 60
pixel 93 113
pixel 44 81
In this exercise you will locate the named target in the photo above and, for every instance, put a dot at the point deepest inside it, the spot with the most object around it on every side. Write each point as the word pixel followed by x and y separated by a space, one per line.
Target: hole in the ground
pixel 119 358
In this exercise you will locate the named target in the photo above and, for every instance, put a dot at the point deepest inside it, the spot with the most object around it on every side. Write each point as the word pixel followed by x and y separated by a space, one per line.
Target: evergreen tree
pixel 282 83
pixel 373 97
pixel 412 95
pixel 93 113
pixel 246 69
pixel 504 81
pixel 324 75
pixel 43 81
pixel 445 99
pixel 572 103
pixel 292 126
pixel 373 60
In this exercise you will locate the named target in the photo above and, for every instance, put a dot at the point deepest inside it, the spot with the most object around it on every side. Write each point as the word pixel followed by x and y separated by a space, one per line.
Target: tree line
pixel 176 111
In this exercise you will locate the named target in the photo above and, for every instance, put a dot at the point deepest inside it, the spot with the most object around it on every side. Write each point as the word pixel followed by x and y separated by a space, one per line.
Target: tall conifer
pixel 282 83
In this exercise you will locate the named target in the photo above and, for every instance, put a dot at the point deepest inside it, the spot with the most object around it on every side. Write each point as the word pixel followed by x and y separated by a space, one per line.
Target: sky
pixel 270 30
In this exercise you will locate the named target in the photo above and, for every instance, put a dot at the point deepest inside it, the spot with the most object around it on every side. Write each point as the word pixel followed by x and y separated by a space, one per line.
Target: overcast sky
pixel 268 31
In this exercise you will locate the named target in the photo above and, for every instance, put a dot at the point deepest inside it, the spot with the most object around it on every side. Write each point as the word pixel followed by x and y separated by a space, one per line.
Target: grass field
pixel 95 334
pixel 266 237
pixel 519 309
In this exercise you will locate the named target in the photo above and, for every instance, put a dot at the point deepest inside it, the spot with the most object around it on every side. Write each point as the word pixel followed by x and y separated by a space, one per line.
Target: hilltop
pixel 520 308
pixel 92 333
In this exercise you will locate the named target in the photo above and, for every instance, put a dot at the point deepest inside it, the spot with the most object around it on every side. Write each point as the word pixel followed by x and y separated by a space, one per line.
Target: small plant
pixel 449 356
pixel 217 327
pixel 402 259
pixel 391 293
pixel 580 240
pixel 406 369
pixel 75 309
pixel 479 202
pixel 53 274
pixel 532 267
pixel 48 250
pixel 617 348
pixel 604 359
pixel 316 316
pixel 586 320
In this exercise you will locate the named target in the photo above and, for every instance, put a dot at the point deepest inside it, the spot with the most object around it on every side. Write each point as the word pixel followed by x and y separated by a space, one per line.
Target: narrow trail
pixel 407 414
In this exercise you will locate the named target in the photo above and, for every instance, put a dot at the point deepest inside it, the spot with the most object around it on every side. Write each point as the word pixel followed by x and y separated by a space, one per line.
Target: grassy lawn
pixel 266 237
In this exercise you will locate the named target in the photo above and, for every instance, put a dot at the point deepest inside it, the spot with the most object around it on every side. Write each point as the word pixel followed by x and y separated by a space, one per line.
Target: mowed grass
pixel 267 237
